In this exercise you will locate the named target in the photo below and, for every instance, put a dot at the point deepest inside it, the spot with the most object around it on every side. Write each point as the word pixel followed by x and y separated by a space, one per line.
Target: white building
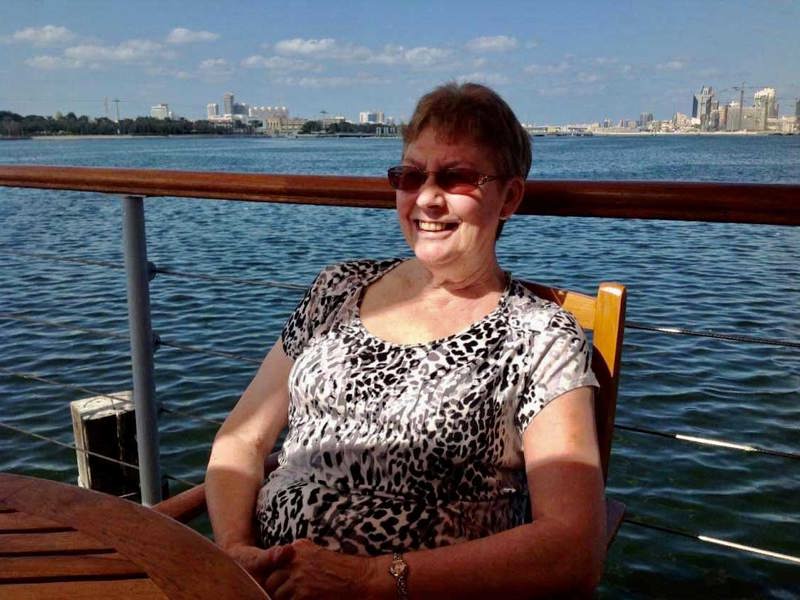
pixel 212 110
pixel 269 112
pixel 765 100
pixel 371 117
pixel 160 111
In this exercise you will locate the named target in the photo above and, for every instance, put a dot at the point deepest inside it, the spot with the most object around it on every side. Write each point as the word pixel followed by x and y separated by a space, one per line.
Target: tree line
pixel 15 125
pixel 339 127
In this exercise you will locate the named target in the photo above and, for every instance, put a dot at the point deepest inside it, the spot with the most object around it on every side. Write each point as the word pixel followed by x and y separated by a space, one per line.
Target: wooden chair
pixel 603 315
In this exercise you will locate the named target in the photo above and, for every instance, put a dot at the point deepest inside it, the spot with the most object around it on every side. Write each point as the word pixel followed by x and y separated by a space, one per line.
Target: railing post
pixel 144 391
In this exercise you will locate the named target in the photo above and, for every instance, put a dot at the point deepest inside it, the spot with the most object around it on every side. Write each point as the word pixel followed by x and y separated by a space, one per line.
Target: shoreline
pixel 687 133
pixel 316 137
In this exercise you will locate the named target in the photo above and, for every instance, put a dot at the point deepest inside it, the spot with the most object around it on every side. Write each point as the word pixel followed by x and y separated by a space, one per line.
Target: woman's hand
pixel 258 562
pixel 313 572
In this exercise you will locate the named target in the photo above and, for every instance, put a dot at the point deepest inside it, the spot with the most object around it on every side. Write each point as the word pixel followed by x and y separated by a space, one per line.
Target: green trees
pixel 311 127
pixel 14 125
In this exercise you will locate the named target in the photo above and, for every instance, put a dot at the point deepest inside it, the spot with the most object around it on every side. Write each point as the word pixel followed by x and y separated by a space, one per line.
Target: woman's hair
pixel 474 112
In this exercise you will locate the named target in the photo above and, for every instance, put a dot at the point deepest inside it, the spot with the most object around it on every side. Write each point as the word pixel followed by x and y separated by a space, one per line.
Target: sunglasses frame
pixel 399 170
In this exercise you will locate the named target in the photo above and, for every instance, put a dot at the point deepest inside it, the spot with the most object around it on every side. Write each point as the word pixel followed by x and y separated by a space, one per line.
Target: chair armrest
pixel 191 503
pixel 185 506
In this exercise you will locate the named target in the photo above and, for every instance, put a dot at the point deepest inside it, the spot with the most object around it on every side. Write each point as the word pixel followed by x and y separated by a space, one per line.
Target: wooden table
pixel 61 541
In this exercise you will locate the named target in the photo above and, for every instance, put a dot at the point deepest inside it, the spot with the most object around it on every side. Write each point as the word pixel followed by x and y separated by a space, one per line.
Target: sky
pixel 554 62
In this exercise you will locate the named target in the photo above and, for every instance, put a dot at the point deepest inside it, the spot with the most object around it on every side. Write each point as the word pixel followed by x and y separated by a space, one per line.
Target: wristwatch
pixel 399 570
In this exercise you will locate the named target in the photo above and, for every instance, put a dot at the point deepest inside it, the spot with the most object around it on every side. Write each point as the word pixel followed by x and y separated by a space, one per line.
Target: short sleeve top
pixel 397 447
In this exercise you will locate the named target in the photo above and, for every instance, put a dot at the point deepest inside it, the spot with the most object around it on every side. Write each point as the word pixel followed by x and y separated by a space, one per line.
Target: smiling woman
pixel 428 401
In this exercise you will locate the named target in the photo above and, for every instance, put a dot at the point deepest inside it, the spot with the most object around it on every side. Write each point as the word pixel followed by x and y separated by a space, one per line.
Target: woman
pixel 410 390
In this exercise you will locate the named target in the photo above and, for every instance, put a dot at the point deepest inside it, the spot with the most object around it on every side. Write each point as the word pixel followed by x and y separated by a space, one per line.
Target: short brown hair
pixel 474 112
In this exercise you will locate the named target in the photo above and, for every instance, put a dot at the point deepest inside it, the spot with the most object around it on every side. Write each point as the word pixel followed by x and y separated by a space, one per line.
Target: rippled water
pixel 727 278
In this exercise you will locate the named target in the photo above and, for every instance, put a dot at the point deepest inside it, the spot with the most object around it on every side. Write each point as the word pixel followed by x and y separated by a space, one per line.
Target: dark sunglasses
pixel 458 180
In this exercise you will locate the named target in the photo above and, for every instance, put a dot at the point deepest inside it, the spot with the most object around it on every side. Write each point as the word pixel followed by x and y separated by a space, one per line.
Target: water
pixel 721 277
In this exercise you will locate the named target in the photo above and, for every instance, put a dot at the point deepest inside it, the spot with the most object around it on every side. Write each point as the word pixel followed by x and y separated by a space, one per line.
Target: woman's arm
pixel 561 552
pixel 236 467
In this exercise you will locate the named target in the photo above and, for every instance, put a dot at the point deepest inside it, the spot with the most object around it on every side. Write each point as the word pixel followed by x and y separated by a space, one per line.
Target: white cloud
pixel 127 51
pixel 672 65
pixel 554 91
pixel 424 56
pixel 604 60
pixel 279 63
pixel 181 35
pixel 325 48
pixel 418 57
pixel 561 67
pixel 482 77
pixel 331 82
pixel 49 63
pixel 589 77
pixel 479 62
pixel 49 35
pixel 214 69
pixel 331 49
pixel 532 44
pixel 495 43
pixel 310 47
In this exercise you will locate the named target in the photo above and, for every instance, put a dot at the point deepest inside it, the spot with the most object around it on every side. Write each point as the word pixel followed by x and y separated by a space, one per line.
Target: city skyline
pixel 579 62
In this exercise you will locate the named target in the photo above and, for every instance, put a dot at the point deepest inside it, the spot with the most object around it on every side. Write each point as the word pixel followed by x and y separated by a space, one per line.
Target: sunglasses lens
pixel 406 179
pixel 458 181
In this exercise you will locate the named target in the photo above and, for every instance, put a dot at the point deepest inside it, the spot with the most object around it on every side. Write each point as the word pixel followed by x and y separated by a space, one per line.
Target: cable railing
pixel 158 341
pixel 735 203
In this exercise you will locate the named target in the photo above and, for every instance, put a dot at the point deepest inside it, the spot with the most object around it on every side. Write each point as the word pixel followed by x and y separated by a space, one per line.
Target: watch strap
pixel 399 570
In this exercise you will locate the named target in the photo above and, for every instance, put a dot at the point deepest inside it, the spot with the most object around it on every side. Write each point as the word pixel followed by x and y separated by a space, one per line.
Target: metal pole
pixel 144 392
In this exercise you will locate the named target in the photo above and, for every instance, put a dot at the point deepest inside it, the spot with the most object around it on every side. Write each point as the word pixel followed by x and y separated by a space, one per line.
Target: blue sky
pixel 555 62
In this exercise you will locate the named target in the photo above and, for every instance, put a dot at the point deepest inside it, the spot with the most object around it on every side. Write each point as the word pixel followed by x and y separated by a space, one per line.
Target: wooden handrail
pixel 770 204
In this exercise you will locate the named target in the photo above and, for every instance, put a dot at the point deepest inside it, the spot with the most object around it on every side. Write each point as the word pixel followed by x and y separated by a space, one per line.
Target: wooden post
pixel 106 426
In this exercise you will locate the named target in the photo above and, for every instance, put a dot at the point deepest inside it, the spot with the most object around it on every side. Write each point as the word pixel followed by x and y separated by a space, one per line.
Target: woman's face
pixel 448 229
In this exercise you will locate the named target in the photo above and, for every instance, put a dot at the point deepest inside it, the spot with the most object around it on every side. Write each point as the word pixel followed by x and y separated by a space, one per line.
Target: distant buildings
pixel 160 111
pixel 709 114
pixel 268 120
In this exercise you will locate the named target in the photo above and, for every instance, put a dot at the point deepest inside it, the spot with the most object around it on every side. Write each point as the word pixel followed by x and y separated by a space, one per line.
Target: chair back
pixel 604 316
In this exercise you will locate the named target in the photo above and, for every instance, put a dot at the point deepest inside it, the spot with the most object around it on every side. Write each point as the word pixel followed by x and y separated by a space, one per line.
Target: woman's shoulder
pixel 343 276
pixel 530 312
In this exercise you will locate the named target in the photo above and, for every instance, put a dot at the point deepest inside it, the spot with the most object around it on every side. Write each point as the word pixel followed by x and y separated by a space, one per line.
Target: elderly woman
pixel 431 403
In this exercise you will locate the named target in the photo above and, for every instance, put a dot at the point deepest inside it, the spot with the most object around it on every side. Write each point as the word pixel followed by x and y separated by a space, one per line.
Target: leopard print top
pixel 398 447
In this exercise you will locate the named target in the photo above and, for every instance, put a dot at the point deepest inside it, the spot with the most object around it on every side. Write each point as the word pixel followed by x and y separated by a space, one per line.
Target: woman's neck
pixel 466 281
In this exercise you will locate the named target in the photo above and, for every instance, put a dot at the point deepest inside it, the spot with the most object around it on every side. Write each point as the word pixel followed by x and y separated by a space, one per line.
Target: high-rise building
pixel 644 120
pixel 723 118
pixel 765 100
pixel 702 105
pixel 797 109
pixel 160 111
pixel 227 103
pixel 212 110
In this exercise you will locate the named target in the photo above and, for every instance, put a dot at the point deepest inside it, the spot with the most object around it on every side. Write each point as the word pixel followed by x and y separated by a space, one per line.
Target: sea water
pixel 728 278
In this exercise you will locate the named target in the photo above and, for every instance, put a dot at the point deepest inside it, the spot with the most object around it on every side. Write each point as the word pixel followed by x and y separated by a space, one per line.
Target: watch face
pixel 398 568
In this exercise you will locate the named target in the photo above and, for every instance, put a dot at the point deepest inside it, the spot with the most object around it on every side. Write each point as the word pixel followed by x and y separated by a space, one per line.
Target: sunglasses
pixel 458 180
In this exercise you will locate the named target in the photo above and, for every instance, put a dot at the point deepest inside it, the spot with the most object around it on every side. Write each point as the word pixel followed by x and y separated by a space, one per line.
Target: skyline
pixel 579 62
